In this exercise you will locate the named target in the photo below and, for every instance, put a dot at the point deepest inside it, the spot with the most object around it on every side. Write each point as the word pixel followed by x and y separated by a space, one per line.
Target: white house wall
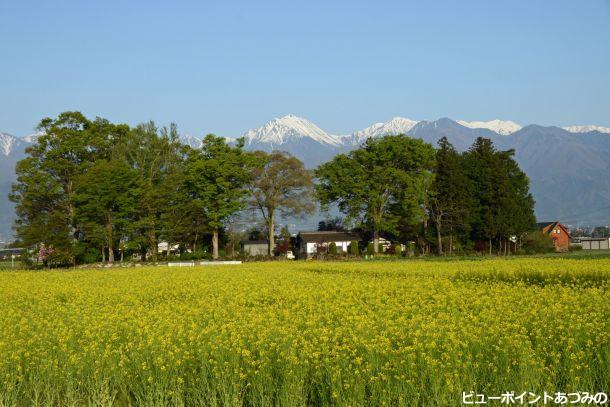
pixel 311 246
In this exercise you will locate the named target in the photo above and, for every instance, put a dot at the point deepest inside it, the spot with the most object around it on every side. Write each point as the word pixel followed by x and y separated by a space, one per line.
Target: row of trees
pixel 91 187
pixel 410 191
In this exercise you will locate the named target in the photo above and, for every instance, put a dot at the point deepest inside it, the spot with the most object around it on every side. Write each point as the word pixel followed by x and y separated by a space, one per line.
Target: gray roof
pixel 328 236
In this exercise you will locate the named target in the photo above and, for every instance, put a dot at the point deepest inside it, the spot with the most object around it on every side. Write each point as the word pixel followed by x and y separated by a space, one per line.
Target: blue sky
pixel 226 66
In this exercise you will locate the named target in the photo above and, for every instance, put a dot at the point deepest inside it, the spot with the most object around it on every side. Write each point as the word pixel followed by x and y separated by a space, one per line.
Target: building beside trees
pixel 312 243
pixel 558 232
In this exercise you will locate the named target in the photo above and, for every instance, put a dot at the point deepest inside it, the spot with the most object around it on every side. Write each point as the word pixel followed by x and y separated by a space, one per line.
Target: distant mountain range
pixel 569 167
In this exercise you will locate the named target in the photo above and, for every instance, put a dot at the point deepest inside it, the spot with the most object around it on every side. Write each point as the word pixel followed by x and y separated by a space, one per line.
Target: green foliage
pixel 382 182
pixel 504 206
pixel 216 180
pixel 280 184
pixel 370 248
pixel 45 189
pixel 353 249
pixel 106 201
pixel 537 242
pixel 332 248
pixel 398 250
pixel 164 211
pixel 332 224
pixel 452 196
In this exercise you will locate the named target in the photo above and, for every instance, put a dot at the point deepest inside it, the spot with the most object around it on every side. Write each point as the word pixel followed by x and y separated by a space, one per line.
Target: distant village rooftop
pixel 328 236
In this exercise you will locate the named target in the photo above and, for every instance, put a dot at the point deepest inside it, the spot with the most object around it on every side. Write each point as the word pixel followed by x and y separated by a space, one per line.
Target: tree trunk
pixel 195 242
pixel 71 220
pixel 439 240
pixel 215 244
pixel 425 237
pixel 271 234
pixel 110 240
pixel 103 254
pixel 490 246
pixel 375 241
pixel 122 251
pixel 152 238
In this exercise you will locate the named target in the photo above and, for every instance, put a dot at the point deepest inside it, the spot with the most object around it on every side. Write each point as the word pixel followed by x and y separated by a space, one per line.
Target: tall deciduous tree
pixel 45 187
pixel 384 180
pixel 281 184
pixel 216 178
pixel 106 200
pixel 157 155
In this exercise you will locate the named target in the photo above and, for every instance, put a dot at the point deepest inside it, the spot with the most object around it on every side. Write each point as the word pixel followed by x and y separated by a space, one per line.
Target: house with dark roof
pixel 311 243
pixel 558 232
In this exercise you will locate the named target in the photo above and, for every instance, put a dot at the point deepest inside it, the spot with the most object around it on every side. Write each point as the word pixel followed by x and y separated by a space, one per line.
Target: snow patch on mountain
pixel 587 128
pixel 191 141
pixel 289 128
pixel 397 125
pixel 502 127
pixel 7 143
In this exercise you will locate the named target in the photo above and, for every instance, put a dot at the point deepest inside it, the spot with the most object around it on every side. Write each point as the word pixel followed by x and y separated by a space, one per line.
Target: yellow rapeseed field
pixel 304 333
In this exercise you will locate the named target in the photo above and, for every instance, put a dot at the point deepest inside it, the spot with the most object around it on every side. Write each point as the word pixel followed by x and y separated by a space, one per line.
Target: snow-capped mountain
pixel 8 143
pixel 587 128
pixel 190 140
pixel 287 129
pixel 502 127
pixel 397 125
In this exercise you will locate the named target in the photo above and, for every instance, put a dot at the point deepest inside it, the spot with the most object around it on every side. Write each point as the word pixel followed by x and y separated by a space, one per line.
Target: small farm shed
pixel 558 232
pixel 595 243
pixel 255 247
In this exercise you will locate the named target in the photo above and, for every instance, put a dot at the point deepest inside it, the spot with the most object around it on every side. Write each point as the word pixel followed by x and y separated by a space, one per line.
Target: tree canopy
pixel 280 185
pixel 377 184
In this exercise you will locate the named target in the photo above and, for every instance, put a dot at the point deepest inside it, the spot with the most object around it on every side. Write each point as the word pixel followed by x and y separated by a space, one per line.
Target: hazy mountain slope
pixel 7 177
pixel 461 137
pixel 569 173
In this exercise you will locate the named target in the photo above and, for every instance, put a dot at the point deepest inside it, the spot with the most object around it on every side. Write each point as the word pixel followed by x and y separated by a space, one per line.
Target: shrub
pixel 370 248
pixel 398 250
pixel 352 248
pixel 332 248
pixel 538 242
